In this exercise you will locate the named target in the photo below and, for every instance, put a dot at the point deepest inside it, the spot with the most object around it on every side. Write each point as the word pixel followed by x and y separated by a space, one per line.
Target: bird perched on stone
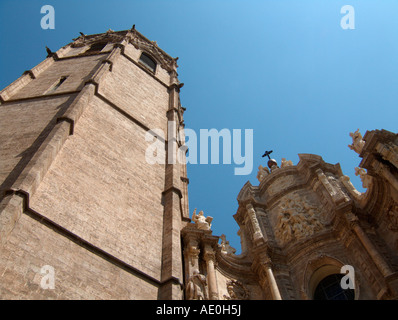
pixel 49 52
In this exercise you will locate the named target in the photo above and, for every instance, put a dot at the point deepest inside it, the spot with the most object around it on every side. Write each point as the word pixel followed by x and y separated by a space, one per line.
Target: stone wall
pixel 78 192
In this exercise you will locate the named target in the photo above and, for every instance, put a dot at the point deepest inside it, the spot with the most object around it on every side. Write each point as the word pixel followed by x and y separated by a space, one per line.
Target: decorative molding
pixel 140 42
pixel 110 36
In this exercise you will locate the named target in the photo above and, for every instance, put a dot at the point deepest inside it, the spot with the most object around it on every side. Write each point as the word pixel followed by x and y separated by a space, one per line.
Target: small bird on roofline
pixel 49 52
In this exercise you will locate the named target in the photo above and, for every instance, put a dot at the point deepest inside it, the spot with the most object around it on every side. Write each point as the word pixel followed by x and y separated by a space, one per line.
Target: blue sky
pixel 285 69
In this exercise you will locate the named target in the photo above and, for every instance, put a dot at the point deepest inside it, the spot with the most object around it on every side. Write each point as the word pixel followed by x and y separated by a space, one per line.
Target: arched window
pixel 329 288
pixel 148 62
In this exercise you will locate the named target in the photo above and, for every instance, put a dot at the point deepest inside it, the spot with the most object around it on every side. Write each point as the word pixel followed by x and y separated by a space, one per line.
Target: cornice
pixel 133 37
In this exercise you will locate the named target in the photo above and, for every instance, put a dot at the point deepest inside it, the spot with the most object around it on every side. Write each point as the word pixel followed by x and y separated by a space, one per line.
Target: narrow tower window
pixel 148 62
pixel 57 84
pixel 96 47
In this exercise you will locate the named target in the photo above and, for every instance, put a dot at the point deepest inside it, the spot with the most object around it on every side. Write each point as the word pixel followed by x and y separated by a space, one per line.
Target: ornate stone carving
pixel 193 254
pixel 357 142
pixel 392 215
pixel 196 288
pixel 286 163
pixel 334 182
pixel 236 291
pixel 332 186
pixel 253 219
pixel 246 192
pixel 225 246
pixel 135 38
pixel 109 36
pixel 297 219
pixel 202 222
pixel 389 152
pixel 350 187
pixel 281 184
pixel 365 178
pixel 142 43
pixel 262 173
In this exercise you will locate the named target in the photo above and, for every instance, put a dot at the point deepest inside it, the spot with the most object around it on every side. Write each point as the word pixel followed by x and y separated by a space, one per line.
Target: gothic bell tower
pixel 78 194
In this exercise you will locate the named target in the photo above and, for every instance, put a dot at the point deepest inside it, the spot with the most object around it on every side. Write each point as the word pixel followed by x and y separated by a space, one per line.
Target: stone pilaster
pixel 369 246
pixel 210 259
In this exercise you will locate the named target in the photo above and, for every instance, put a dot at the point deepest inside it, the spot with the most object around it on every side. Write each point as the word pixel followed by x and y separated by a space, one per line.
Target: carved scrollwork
pixel 236 291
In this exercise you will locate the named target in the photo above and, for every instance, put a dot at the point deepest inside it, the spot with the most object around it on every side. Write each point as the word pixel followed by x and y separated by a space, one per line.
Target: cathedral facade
pixel 85 215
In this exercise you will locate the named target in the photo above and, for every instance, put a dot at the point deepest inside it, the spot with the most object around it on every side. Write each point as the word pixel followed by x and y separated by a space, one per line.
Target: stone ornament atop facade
pixel 225 246
pixel 297 219
pixel 262 173
pixel 357 141
pixel 365 178
pixel 286 163
pixel 236 291
pixel 196 287
pixel 202 222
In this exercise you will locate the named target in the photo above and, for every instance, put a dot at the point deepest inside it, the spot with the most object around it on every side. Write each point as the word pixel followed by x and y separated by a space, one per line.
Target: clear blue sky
pixel 285 69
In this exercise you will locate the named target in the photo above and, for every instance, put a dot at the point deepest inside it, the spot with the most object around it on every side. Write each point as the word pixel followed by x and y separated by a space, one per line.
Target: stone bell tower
pixel 78 195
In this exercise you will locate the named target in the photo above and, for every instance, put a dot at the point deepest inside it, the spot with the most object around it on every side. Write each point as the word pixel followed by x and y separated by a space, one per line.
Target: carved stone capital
pixel 352 219
pixel 209 256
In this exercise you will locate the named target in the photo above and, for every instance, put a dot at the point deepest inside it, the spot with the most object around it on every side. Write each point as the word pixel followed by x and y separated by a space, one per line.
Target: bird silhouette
pixel 49 52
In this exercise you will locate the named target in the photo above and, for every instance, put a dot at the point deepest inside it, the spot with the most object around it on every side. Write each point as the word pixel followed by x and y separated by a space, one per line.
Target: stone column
pixel 369 246
pixel 210 258
pixel 271 280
